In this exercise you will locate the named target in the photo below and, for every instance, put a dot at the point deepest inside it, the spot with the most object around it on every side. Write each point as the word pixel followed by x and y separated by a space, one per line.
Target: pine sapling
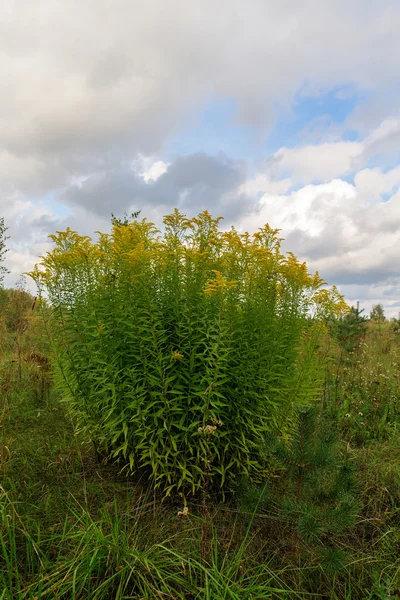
pixel 315 492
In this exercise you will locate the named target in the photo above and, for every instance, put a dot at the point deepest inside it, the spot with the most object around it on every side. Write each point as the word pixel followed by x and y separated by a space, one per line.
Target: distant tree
pixel 3 249
pixel 377 313
pixel 126 218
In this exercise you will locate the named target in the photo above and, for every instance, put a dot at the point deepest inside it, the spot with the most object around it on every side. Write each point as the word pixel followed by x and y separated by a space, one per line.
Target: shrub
pixel 178 351
pixel 18 309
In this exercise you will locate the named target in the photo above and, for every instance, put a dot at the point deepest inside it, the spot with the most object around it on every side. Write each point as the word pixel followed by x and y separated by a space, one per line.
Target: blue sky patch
pixel 311 119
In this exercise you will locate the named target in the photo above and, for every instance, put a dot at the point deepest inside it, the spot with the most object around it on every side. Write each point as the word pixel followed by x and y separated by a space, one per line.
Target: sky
pixel 262 111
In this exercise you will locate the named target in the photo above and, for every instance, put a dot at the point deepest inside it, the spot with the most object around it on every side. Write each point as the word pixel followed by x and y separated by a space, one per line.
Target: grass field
pixel 74 527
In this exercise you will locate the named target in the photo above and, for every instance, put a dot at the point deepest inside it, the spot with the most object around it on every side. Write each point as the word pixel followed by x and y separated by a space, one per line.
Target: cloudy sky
pixel 279 111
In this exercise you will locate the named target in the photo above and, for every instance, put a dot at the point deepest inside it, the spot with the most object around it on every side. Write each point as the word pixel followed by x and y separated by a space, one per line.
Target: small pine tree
pixel 350 329
pixel 315 493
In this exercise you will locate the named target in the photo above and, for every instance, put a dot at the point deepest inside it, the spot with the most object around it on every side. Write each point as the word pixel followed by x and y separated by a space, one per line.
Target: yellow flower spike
pixel 213 286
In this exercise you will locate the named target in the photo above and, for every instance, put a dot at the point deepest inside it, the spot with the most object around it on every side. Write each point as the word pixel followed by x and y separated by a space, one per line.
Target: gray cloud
pixel 330 242
pixel 354 275
pixel 94 81
pixel 337 256
pixel 192 183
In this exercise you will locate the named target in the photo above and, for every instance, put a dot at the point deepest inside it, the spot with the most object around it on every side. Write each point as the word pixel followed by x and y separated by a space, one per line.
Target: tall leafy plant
pixel 177 351
pixel 3 249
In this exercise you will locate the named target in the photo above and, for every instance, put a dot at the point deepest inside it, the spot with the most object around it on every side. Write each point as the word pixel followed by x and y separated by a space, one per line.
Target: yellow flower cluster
pixel 208 429
pixel 236 260
pixel 218 284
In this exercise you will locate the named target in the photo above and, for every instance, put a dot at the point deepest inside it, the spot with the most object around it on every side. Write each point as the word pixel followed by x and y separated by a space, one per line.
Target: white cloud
pixel 384 140
pixel 347 232
pixel 319 162
pixel 375 182
pixel 324 161
pixel 261 183
pixel 155 171
pixel 306 210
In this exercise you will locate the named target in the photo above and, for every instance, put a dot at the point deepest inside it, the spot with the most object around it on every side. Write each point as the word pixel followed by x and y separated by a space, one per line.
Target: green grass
pixel 74 528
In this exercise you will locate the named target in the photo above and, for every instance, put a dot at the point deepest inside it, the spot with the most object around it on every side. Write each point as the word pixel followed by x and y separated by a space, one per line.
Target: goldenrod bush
pixel 178 350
